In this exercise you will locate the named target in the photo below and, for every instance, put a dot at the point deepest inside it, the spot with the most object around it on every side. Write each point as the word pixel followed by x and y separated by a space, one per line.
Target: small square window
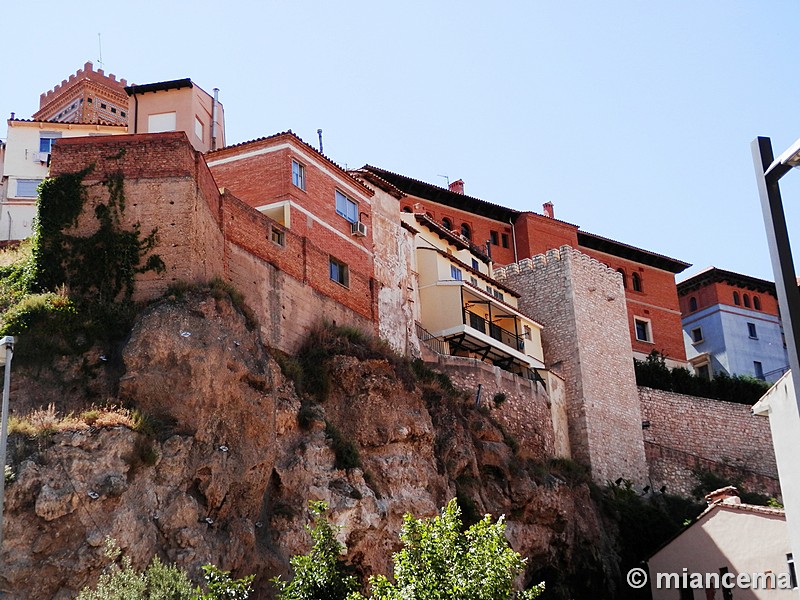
pixel 642 330
pixel 122 113
pixel 299 179
pixel 697 335
pixel 277 236
pixel 473 281
pixel 703 371
pixel 455 273
pixel 102 105
pixel 113 110
pixel 346 207
pixel 339 272
pixel 504 240
pixel 751 331
pixel 494 238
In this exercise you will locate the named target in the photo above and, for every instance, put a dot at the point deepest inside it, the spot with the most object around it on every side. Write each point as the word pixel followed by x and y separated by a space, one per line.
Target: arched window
pixel 407 209
pixel 692 304
pixel 466 231
pixel 624 278
pixel 636 282
pixel 756 302
pixel 736 298
pixel 447 223
pixel 746 299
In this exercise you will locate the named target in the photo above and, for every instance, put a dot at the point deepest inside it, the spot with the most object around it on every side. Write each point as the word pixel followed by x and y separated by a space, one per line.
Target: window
pixel 636 282
pixel 346 207
pixel 47 139
pixel 473 281
pixel 526 332
pixel 504 240
pixel 198 128
pixel 494 238
pixel 746 300
pixel 756 302
pixel 703 371
pixel 407 209
pixel 624 278
pixel 697 335
pixel 475 264
pixel 339 272
pixel 455 273
pixel 113 110
pixel 751 331
pixel 692 304
pixel 466 231
pixel 642 330
pixel 758 368
pixel 27 188
pixel 299 177
pixel 277 236
pixel 736 298
pixel 102 105
pixel 122 113
pixel 447 223
pixel 161 122
pixel 499 295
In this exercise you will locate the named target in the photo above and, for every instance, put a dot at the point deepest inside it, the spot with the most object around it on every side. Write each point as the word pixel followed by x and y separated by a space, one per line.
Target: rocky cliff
pixel 233 452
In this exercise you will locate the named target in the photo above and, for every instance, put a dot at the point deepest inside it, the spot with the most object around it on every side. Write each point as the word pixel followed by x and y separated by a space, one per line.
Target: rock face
pixel 228 472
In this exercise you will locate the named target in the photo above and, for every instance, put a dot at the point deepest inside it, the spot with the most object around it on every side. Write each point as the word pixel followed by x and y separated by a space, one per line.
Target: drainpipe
pixel 214 115
pixel 513 238
pixel 135 110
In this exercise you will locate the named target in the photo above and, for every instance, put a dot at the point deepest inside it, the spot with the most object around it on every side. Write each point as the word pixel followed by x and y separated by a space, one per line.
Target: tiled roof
pixel 103 123
pixel 234 149
pixel 715 275
pixel 645 257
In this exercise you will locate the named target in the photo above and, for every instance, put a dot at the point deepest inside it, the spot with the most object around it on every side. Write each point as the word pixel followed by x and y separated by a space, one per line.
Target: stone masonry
pixel 581 303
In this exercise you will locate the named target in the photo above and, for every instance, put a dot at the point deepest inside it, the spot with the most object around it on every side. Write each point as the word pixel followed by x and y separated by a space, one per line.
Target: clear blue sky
pixel 634 118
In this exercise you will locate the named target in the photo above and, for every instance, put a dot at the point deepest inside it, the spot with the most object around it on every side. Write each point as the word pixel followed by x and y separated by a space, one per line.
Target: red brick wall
pixel 722 293
pixel 316 231
pixel 658 302
pixel 537 234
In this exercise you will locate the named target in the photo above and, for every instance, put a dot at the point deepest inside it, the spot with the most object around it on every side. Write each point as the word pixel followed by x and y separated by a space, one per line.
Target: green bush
pixel 653 372
pixel 347 455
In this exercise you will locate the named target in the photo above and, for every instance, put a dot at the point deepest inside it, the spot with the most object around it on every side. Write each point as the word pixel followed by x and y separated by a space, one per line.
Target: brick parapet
pixel 581 303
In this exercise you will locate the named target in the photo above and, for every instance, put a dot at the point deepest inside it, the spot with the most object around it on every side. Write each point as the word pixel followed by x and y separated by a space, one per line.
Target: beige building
pixel 178 105
pixel 463 308
pixel 24 163
pixel 731 551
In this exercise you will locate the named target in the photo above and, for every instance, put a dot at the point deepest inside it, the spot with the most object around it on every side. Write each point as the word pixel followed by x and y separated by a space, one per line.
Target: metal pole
pixel 9 344
pixel 779 250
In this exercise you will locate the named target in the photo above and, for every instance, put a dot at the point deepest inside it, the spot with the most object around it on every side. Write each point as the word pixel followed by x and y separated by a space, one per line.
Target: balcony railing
pixel 504 336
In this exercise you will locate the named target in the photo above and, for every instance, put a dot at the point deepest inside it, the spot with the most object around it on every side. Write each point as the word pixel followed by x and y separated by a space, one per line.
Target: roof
pixel 235 149
pixel 434 193
pixel 645 257
pixel 715 275
pixel 53 122
pixel 457 240
pixel 175 84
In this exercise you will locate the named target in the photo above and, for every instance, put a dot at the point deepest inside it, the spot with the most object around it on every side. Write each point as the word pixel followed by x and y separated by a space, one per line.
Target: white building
pixel 25 160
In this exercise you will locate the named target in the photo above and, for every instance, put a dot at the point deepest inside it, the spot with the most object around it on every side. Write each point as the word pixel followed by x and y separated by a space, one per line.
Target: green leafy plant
pixel 321 573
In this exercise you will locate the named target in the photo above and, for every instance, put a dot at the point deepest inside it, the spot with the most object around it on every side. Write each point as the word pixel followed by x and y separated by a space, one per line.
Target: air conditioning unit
pixel 359 229
pixel 42 157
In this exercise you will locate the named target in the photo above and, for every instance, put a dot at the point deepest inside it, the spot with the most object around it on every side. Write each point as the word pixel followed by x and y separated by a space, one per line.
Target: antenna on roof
pixel 446 177
pixel 100 45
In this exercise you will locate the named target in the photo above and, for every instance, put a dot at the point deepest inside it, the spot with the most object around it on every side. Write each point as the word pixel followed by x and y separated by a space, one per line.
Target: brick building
pixel 732 325
pixel 315 201
pixel 88 96
pixel 509 236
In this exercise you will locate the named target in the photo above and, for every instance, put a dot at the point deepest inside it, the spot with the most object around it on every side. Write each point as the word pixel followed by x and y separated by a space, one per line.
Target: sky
pixel 633 118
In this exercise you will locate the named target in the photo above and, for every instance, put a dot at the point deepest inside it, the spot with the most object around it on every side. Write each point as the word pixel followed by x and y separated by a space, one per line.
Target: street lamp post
pixel 768 172
pixel 5 359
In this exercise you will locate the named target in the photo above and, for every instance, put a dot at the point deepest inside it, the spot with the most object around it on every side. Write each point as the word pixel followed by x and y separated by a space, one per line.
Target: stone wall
pixel 528 413
pixel 581 303
pixel 687 434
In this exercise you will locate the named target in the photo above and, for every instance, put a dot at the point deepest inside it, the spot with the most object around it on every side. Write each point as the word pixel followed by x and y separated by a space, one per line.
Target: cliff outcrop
pixel 231 452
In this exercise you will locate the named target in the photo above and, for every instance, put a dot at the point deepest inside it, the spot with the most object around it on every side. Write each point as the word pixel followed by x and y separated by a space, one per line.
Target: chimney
pixel 457 186
pixel 547 207
pixel 12 116
pixel 726 495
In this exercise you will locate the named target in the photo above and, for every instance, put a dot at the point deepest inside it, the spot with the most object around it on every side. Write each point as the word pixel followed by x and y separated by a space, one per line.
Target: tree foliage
pixel 320 574
pixel 121 581
pixel 439 561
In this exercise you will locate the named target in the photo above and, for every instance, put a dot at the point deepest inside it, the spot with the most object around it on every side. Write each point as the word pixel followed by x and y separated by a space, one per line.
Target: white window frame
pixel 34 182
pixel 299 174
pixel 456 274
pixel 648 328
pixel 348 208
